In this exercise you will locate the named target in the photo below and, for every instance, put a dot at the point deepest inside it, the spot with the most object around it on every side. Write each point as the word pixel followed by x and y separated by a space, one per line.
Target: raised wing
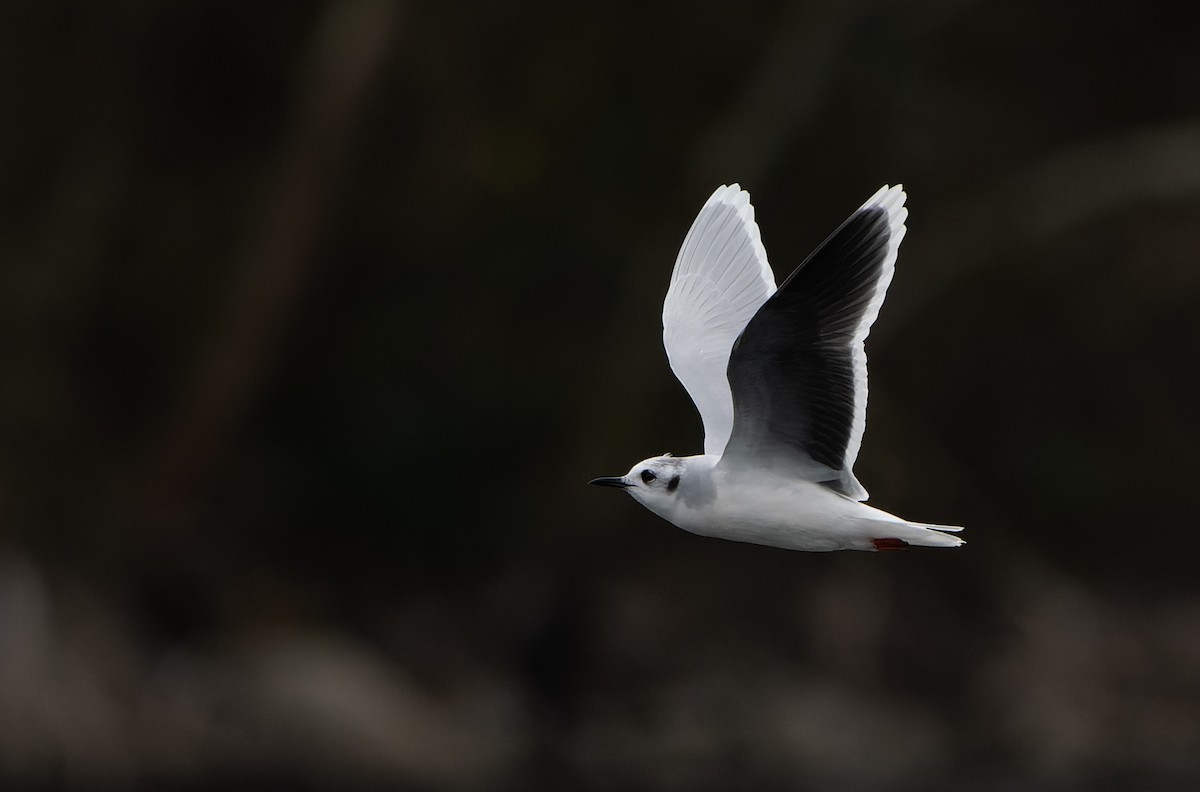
pixel 799 372
pixel 721 278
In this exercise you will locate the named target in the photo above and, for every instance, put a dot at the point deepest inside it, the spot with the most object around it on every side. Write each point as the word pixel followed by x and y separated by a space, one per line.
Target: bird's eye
pixel 648 476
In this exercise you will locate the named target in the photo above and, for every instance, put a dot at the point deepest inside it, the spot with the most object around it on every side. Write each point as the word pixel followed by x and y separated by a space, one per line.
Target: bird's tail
pixel 888 535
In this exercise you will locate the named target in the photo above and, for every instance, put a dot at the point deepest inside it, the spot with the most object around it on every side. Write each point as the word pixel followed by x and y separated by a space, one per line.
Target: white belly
pixel 790 513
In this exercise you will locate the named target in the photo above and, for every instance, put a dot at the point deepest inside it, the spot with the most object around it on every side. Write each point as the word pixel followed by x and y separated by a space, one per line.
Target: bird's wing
pixel 798 371
pixel 721 278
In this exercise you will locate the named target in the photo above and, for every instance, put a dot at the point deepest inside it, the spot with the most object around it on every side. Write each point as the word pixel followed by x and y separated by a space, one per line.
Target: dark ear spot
pixel 673 484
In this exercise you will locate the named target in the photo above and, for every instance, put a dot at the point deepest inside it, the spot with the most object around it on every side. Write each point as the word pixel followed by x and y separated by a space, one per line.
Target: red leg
pixel 889 544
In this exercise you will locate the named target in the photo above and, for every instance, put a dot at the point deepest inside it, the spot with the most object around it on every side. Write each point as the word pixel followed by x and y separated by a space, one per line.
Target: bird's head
pixel 652 482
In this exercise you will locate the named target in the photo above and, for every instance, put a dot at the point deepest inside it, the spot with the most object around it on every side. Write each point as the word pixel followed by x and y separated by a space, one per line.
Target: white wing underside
pixel 721 278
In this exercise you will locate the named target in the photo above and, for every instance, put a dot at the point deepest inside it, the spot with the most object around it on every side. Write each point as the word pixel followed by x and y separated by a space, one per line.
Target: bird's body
pixel 768 508
pixel 779 378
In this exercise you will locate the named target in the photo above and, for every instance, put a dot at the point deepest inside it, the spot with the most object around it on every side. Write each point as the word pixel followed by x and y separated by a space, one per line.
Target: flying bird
pixel 779 376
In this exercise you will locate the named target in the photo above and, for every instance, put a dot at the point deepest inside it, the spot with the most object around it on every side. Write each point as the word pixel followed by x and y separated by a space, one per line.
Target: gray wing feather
pixel 798 371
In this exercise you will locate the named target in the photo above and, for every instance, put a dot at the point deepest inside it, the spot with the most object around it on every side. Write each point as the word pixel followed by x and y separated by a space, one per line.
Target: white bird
pixel 779 377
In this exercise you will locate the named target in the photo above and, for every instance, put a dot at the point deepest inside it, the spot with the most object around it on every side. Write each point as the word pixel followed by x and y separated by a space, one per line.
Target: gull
pixel 779 377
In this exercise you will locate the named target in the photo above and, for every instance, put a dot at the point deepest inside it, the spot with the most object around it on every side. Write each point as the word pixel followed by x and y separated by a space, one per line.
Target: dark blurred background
pixel 317 317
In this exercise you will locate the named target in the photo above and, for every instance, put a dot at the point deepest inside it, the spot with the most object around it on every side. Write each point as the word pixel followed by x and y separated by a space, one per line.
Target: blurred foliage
pixel 318 317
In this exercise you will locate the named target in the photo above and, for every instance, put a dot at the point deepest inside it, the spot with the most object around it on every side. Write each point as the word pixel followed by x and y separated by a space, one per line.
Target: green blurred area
pixel 317 318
